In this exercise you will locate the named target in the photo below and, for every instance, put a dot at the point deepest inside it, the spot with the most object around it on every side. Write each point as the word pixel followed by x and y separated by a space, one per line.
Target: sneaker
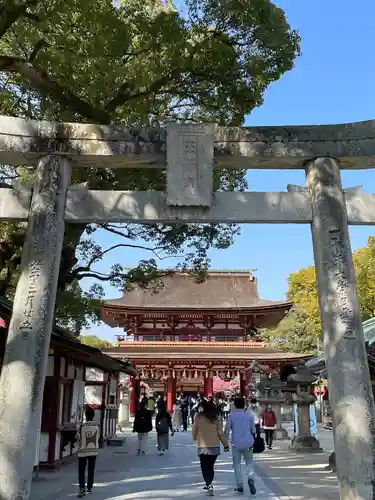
pixel 205 488
pixel 81 494
pixel 252 486
pixel 143 453
pixel 239 489
pixel 210 491
pixel 139 452
pixel 88 492
pixel 161 453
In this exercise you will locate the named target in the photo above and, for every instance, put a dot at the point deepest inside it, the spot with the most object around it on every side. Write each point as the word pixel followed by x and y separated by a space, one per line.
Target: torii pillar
pixel 350 390
pixel 26 354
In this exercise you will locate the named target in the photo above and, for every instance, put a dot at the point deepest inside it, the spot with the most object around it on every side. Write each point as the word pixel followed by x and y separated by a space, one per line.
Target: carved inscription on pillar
pixel 339 266
pixel 26 354
pixel 34 274
pixel 335 271
pixel 190 150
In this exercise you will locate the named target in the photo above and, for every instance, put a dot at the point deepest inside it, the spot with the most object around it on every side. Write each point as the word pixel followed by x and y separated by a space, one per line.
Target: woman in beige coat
pixel 208 434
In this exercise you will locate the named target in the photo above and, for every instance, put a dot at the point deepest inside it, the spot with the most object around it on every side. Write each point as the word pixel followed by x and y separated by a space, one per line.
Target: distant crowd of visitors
pixel 243 425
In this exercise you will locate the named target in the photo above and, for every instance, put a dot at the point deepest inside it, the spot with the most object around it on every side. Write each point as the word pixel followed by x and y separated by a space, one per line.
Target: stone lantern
pixel 124 410
pixel 270 388
pixel 302 380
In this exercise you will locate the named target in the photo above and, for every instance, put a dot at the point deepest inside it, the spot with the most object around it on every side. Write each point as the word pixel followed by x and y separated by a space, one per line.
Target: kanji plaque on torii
pixel 190 152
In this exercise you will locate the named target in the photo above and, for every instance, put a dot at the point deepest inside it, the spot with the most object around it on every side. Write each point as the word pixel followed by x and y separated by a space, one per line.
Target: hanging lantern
pixel 173 374
pixel 184 374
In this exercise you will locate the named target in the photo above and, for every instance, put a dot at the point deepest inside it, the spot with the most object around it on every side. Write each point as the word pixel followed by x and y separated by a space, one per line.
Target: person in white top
pixel 255 411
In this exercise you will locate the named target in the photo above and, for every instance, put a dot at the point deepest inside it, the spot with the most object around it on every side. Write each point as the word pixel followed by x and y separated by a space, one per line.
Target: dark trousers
pixel 257 430
pixel 207 466
pixel 185 415
pixel 269 436
pixel 82 462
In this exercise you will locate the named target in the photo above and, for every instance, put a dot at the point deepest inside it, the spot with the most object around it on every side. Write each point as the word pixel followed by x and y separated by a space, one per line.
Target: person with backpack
pixel 142 426
pixel 88 442
pixel 163 425
pixel 241 426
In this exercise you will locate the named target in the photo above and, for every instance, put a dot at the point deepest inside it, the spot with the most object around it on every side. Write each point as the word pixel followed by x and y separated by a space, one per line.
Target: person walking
pixel 163 425
pixel 185 413
pixel 208 434
pixel 176 417
pixel 268 420
pixel 88 448
pixel 241 426
pixel 254 410
pixel 142 426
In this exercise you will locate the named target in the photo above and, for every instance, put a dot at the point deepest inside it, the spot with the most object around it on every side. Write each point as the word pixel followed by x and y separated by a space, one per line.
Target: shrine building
pixel 184 336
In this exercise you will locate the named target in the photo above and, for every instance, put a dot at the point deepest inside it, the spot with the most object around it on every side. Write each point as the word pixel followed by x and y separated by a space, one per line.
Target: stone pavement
pixel 122 475
pixel 294 476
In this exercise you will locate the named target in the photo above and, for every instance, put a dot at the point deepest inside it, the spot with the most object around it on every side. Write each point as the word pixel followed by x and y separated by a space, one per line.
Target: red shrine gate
pixel 182 337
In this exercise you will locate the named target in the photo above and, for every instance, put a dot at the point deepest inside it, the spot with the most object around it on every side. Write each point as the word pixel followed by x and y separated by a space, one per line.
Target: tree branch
pixel 97 276
pixel 124 93
pixel 130 234
pixel 39 80
pixel 11 11
pixel 99 256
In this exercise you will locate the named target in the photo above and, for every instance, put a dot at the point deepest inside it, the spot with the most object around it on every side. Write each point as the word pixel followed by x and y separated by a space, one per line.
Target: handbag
pixel 259 445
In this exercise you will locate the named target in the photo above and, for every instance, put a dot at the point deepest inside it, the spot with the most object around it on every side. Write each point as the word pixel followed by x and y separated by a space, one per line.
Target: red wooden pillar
pixel 171 392
pixel 209 385
pixel 134 395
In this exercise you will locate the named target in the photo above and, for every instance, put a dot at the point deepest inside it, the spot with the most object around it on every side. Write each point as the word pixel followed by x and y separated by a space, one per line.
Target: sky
pixel 332 82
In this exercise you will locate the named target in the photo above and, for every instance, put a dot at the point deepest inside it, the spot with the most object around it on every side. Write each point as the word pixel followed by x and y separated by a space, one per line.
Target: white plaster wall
pixel 50 366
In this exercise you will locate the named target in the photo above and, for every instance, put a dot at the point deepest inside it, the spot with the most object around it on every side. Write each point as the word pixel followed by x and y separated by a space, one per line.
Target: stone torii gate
pixel 189 152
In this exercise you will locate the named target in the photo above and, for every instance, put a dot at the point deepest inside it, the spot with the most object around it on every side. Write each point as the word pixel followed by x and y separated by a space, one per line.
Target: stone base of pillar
pixel 305 444
pixel 280 433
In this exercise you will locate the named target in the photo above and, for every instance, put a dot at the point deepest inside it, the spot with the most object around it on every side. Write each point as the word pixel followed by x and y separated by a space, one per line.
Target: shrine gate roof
pixel 221 290
pixel 233 351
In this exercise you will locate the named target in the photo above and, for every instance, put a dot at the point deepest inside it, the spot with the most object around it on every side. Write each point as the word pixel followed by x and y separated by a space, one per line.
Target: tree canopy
pixel 301 329
pixel 94 341
pixel 293 334
pixel 137 64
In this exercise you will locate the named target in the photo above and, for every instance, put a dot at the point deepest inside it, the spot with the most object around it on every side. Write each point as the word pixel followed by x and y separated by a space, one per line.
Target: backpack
pixel 163 425
pixel 258 446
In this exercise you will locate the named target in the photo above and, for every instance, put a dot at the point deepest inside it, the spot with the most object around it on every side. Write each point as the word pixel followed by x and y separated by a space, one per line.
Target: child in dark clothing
pixel 142 426
pixel 163 425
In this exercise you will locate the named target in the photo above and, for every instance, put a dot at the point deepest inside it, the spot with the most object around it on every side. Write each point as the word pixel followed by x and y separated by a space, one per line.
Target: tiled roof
pixel 221 290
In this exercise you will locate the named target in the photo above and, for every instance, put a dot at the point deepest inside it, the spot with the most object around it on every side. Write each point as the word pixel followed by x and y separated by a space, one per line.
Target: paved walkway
pixel 299 476
pixel 122 475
